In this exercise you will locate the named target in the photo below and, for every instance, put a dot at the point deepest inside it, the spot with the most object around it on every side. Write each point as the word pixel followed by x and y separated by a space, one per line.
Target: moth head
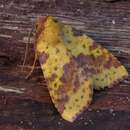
pixel 48 29
pixel 42 20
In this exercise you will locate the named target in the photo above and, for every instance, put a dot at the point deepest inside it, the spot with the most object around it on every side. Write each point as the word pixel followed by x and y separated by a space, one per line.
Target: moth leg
pixel 33 67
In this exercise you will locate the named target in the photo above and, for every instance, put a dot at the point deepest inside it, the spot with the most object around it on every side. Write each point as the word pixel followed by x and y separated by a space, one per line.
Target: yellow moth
pixel 70 89
pixel 73 65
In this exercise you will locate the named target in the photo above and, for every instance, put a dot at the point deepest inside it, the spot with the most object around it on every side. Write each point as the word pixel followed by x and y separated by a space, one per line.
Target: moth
pixel 72 66
pixel 70 89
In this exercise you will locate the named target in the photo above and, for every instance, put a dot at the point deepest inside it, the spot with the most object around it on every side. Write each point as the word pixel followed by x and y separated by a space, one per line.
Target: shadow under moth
pixel 73 66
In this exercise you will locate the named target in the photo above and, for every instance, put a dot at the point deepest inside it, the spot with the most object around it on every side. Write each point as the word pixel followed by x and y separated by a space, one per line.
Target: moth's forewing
pixel 70 90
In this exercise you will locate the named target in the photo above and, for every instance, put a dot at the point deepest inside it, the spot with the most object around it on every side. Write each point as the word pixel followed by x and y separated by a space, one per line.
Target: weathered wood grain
pixel 26 103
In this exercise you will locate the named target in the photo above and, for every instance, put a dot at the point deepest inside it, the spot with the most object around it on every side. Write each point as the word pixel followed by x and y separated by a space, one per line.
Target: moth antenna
pixel 25 56
pixel 26 49
pixel 35 59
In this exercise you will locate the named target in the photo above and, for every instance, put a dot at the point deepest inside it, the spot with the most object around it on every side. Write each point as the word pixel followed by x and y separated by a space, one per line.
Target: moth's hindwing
pixel 70 90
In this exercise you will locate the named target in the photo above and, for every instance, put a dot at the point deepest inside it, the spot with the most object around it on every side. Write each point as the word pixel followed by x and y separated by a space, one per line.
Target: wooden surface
pixel 25 104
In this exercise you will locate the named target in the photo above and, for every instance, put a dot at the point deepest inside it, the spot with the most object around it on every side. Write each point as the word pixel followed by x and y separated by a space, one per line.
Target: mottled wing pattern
pixel 99 64
pixel 70 89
